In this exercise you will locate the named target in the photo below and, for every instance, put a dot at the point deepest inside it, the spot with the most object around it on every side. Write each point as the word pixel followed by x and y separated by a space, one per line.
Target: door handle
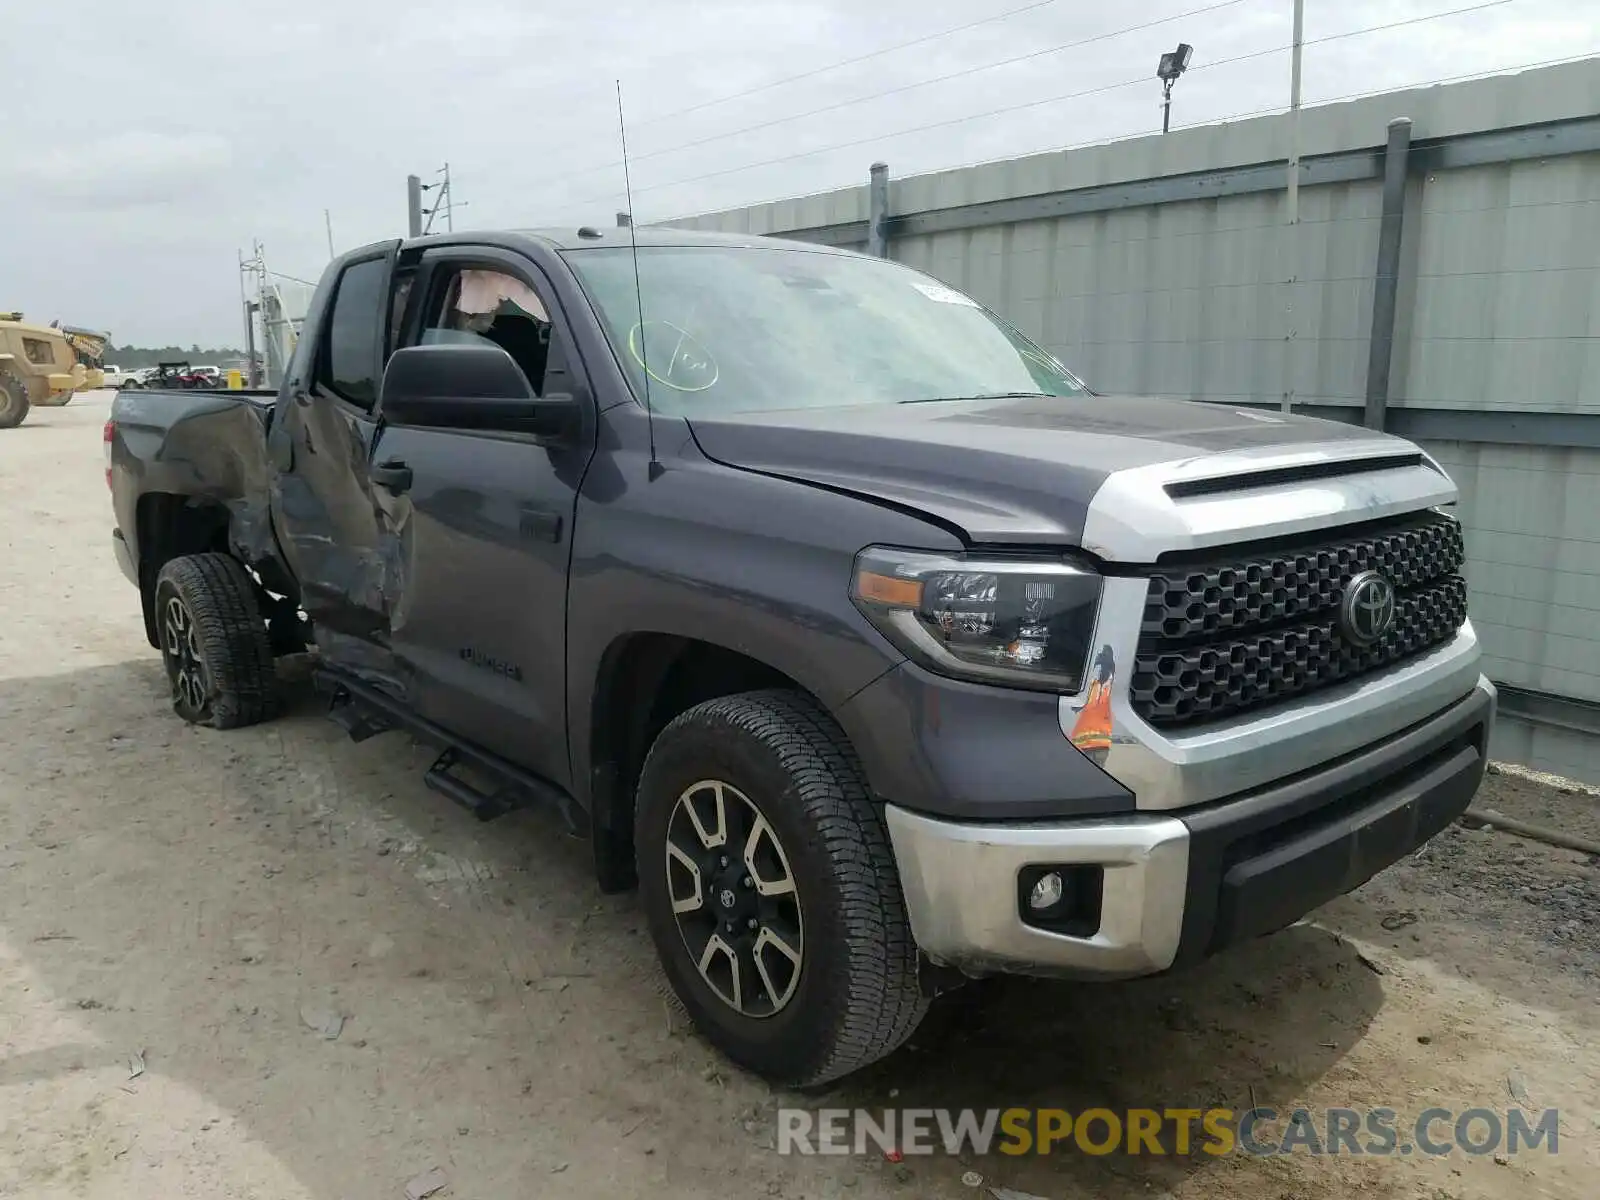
pixel 394 475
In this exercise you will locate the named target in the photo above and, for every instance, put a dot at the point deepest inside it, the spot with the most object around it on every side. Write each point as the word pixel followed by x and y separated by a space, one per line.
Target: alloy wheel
pixel 180 641
pixel 734 898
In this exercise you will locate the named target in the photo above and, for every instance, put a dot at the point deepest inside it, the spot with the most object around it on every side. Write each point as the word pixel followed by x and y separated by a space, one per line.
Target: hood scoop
pixel 1182 489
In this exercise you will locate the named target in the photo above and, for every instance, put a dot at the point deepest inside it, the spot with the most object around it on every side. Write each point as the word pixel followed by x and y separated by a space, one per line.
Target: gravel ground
pixel 187 916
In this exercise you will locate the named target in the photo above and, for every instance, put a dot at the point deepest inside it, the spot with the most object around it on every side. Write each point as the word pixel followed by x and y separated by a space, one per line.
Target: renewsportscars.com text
pixel 1161 1131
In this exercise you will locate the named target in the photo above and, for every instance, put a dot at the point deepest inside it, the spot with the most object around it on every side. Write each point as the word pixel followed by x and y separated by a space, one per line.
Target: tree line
pixel 130 357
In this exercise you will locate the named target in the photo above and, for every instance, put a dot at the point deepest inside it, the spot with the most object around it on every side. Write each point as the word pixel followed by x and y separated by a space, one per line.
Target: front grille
pixel 1222 637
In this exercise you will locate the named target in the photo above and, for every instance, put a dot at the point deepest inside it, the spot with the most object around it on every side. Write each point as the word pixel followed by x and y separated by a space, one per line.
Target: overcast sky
pixel 143 143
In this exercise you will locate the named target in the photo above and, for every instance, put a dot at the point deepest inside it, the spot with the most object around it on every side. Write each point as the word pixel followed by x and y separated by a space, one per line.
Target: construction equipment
pixel 40 364
pixel 88 344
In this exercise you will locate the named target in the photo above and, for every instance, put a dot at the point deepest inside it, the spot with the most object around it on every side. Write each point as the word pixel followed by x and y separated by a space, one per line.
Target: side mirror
pixel 471 387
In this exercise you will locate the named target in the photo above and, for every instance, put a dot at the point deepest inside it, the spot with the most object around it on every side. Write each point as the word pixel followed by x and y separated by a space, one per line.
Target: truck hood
pixel 1124 477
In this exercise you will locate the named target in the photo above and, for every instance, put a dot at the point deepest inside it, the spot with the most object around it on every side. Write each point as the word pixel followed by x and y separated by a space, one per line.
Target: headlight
pixel 1021 622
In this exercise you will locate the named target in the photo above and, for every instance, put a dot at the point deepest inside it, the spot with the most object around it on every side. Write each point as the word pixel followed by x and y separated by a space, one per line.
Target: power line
pixel 1012 108
pixel 824 69
pixel 849 62
pixel 1405 87
pixel 1262 112
pixel 906 87
pixel 1266 112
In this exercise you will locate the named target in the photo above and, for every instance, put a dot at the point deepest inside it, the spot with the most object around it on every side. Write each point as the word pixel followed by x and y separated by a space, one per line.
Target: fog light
pixel 1046 893
pixel 1062 898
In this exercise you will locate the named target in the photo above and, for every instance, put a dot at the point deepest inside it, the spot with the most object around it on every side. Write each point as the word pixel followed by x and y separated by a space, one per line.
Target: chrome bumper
pixel 960 885
pixel 1282 849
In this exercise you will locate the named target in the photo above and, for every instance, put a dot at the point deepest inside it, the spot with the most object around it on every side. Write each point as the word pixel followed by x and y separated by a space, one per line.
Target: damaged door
pixel 487 537
pixel 330 526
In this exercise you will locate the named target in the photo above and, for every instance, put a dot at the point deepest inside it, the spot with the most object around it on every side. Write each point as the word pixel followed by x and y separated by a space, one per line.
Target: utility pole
pixel 327 220
pixel 413 206
pixel 446 201
pixel 1292 206
pixel 249 324
pixel 1294 111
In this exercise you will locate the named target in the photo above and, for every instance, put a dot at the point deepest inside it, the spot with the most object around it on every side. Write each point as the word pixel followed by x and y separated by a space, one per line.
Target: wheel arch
pixel 644 680
pixel 167 527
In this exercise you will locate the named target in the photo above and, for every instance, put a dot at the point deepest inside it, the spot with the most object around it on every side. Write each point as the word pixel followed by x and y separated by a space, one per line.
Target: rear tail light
pixel 110 432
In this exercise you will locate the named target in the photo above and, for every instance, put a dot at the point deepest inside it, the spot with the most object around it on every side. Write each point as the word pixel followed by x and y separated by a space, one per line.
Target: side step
pixel 359 721
pixel 363 711
pixel 486 806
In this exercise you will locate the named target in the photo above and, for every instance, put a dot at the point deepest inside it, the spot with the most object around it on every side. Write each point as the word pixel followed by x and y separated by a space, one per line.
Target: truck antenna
pixel 638 293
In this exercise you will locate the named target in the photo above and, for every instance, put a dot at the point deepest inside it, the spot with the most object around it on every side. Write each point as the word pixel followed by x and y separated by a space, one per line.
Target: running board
pixel 359 721
pixel 486 806
pixel 363 711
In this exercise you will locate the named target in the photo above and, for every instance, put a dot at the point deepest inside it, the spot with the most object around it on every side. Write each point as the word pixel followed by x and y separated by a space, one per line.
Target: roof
pixel 567 238
pixel 30 327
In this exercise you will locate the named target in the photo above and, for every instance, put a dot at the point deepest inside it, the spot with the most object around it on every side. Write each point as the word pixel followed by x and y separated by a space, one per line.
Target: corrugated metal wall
pixel 1217 298
pixel 1185 299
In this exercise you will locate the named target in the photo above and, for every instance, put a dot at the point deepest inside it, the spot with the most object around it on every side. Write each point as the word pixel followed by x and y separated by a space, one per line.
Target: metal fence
pixel 1456 302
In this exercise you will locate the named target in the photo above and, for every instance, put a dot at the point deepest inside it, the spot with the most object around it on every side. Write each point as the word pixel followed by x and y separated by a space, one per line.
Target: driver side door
pixel 485 520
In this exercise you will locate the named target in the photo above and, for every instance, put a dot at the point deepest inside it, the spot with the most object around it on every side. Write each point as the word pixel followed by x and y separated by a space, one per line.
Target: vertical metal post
pixel 878 211
pixel 327 221
pixel 1386 280
pixel 1166 105
pixel 252 373
pixel 413 206
pixel 1294 111
pixel 624 220
pixel 244 298
pixel 1291 238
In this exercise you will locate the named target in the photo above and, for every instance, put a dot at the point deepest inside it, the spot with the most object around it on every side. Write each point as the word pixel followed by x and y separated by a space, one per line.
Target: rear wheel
pixel 770 889
pixel 13 402
pixel 214 642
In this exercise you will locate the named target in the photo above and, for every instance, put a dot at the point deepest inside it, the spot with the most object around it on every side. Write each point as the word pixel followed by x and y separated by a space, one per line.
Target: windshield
pixel 735 329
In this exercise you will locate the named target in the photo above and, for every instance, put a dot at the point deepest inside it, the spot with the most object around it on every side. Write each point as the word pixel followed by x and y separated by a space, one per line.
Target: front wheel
pixel 771 891
pixel 214 642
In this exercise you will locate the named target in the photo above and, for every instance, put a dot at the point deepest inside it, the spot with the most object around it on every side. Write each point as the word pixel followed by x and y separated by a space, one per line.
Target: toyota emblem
pixel 726 898
pixel 1367 610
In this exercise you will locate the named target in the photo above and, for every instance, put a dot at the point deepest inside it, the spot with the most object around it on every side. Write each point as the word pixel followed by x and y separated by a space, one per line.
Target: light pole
pixel 1173 64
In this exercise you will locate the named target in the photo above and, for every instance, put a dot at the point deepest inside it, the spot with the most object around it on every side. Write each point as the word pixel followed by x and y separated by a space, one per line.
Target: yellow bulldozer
pixel 44 365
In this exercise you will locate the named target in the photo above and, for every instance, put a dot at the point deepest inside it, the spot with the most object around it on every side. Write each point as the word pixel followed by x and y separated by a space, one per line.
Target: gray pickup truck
pixel 847 623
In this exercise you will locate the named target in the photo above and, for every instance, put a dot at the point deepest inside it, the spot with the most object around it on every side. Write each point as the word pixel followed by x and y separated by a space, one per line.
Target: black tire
pixel 214 642
pixel 13 402
pixel 854 997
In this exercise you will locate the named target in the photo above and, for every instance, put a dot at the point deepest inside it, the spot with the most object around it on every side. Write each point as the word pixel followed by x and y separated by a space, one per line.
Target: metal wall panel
pixel 1505 273
pixel 1197 300
pixel 1533 549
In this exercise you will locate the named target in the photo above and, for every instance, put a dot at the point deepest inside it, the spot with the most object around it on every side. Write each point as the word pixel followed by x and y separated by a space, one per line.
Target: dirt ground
pixel 185 914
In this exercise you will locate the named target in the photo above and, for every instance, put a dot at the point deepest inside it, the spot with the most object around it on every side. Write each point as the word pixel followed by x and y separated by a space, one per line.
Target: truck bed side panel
pixel 207 447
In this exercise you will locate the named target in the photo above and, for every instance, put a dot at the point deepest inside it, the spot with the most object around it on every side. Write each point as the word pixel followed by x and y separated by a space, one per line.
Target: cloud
pixel 133 167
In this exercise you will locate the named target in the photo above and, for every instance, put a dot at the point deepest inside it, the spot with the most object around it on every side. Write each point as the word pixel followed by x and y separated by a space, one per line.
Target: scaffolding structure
pixel 275 307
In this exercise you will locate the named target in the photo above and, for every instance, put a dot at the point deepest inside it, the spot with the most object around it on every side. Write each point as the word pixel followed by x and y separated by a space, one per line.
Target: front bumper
pixel 1180 886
